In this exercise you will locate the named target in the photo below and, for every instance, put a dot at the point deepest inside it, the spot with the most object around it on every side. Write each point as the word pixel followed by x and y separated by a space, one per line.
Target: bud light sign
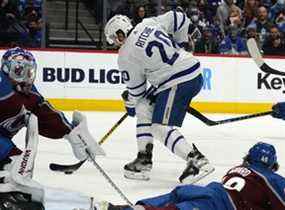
pixel 77 75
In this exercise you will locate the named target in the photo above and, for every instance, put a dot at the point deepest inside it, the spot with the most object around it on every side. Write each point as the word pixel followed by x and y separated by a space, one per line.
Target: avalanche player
pixel 150 53
pixel 19 97
pixel 254 185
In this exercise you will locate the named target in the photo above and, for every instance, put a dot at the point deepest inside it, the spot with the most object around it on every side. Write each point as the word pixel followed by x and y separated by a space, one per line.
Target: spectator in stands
pixel 223 12
pixel 122 7
pixel 35 34
pixel 8 13
pixel 263 24
pixel 208 9
pixel 195 28
pixel 33 22
pixel 207 44
pixel 216 30
pixel 251 33
pixel 250 11
pixel 268 3
pixel 233 43
pixel 280 21
pixel 276 8
pixel 274 44
pixel 23 4
pixel 235 18
pixel 240 3
pixel 139 15
pixel 11 29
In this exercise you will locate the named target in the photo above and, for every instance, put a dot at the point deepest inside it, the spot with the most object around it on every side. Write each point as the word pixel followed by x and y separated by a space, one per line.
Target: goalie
pixel 18 190
pixel 19 97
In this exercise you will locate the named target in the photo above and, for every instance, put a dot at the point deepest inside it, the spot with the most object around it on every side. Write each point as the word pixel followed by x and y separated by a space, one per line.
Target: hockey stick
pixel 69 169
pixel 256 55
pixel 105 175
pixel 209 122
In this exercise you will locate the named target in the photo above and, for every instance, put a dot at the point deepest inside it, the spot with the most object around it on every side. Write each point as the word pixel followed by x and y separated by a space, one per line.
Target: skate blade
pixel 204 171
pixel 143 175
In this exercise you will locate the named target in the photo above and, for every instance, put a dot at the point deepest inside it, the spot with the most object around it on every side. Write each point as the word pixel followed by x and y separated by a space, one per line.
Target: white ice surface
pixel 224 145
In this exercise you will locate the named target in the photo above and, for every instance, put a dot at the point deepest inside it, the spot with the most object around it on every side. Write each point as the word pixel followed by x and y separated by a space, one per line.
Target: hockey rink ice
pixel 224 145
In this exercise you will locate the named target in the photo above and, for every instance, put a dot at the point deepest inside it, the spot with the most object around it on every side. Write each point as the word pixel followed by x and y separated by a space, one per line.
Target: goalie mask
pixel 116 27
pixel 264 155
pixel 21 67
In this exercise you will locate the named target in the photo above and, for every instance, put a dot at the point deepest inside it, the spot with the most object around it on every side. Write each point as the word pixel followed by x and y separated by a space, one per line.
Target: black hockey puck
pixel 68 172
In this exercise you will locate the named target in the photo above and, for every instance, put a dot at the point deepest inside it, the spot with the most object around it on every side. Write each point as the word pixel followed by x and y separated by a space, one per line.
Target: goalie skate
pixel 197 168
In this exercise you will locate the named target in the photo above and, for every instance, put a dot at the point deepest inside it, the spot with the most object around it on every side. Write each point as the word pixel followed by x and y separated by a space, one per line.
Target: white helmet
pixel 116 23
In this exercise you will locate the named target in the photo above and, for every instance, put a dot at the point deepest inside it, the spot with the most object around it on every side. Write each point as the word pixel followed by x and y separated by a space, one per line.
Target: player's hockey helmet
pixel 118 23
pixel 20 66
pixel 263 154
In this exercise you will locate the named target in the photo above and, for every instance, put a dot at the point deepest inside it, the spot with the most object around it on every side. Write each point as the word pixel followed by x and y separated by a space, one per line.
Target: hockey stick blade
pixel 69 169
pixel 210 122
pixel 257 57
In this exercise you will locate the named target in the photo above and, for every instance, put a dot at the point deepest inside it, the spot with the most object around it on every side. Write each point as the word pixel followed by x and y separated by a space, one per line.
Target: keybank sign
pixel 100 76
pixel 270 82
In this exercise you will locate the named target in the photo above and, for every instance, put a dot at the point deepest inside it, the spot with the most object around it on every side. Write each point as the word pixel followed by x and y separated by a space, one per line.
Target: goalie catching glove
pixel 83 144
pixel 279 110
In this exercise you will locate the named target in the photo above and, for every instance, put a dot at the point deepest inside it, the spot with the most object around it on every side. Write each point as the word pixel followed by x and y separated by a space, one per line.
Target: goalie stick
pixel 69 169
pixel 210 122
pixel 257 57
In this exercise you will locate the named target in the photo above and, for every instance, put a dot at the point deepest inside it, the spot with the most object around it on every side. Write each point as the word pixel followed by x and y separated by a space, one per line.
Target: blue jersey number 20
pixel 163 40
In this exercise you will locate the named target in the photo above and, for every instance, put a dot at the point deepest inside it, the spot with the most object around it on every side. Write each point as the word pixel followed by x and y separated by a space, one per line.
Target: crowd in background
pixel 20 23
pixel 220 26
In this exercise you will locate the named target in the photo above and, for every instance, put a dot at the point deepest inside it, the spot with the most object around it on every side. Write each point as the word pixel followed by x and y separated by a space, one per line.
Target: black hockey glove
pixel 279 110
pixel 129 105
pixel 150 95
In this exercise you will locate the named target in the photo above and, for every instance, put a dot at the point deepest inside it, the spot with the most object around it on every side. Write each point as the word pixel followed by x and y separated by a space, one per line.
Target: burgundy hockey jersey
pixel 255 188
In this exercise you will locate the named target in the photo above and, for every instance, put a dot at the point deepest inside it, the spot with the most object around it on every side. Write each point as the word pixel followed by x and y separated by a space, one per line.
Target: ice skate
pixel 105 205
pixel 197 167
pixel 139 168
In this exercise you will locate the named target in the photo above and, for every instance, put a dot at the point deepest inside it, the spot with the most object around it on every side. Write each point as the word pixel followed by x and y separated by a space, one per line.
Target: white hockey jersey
pixel 151 53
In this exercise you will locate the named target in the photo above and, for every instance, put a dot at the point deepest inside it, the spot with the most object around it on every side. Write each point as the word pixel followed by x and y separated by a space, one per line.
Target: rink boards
pixel 90 80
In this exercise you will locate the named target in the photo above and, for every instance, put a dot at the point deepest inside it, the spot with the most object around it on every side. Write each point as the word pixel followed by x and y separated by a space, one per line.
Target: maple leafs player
pixel 149 55
pixel 19 97
pixel 254 185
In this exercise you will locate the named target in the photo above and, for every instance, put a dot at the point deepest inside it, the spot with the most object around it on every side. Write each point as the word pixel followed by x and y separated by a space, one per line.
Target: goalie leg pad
pixel 19 201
